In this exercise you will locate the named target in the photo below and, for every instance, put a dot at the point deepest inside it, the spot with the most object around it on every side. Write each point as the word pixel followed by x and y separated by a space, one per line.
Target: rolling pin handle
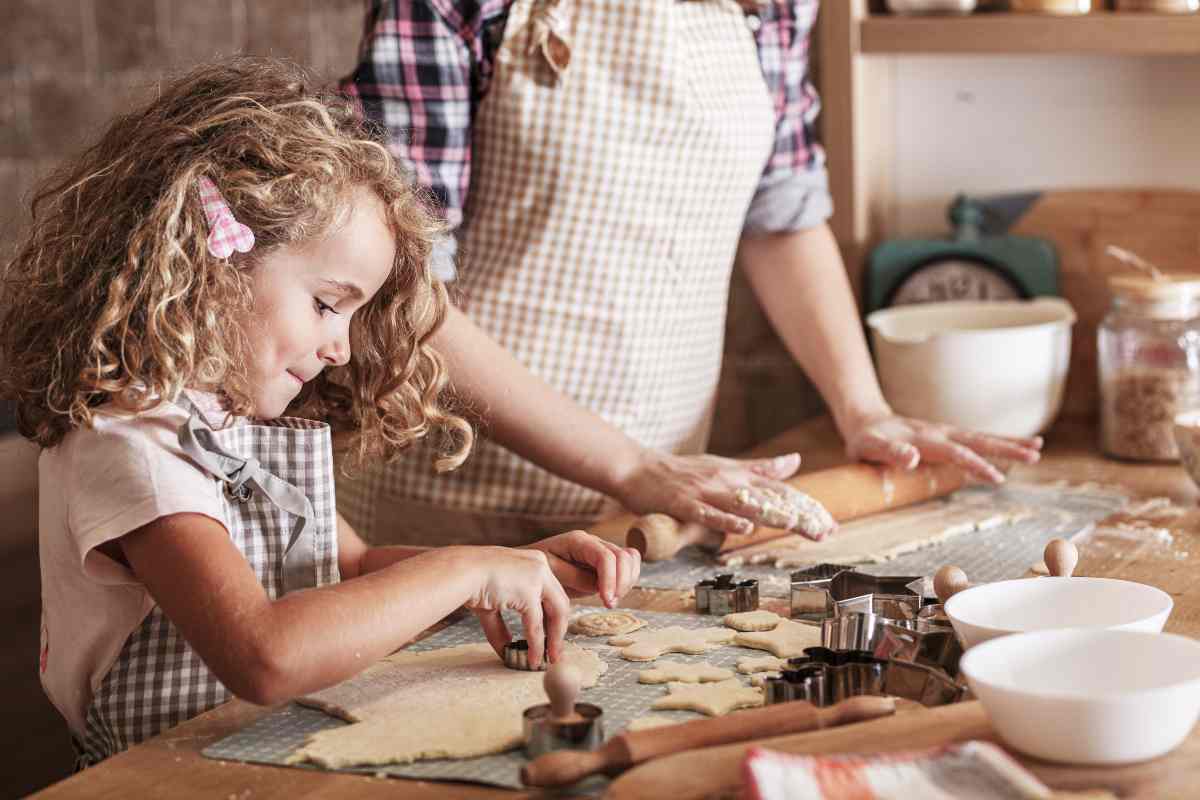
pixel 1061 557
pixel 562 684
pixel 949 581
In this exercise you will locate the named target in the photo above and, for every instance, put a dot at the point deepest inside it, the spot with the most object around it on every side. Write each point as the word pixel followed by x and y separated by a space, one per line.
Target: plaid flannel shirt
pixel 424 66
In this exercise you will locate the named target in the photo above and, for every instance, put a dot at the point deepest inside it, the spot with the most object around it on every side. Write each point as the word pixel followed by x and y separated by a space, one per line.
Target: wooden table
pixel 171 764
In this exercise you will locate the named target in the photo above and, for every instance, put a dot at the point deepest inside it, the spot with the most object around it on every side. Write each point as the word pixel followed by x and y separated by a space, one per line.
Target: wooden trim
pixel 857 130
pixel 1103 33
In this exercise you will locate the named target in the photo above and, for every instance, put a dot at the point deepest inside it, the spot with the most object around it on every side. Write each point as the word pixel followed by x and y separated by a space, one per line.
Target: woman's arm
pixel 541 424
pixel 801 282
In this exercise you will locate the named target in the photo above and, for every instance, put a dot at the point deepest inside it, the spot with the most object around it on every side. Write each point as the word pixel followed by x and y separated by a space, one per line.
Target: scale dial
pixel 954 279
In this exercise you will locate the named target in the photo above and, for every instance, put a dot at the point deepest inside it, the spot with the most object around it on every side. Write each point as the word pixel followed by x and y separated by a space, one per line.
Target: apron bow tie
pixel 242 477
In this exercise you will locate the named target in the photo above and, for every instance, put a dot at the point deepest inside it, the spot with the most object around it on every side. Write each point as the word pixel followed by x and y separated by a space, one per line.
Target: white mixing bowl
pixel 1087 696
pixel 998 367
pixel 1034 604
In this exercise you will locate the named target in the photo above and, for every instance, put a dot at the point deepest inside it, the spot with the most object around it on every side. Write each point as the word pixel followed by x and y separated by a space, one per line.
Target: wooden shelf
pixel 1105 33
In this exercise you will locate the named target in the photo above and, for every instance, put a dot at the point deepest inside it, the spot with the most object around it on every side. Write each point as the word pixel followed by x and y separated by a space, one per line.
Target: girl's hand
pixel 586 564
pixel 904 442
pixel 718 493
pixel 520 580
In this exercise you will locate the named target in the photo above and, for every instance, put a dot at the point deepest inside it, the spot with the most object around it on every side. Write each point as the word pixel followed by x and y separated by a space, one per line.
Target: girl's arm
pixel 268 651
pixel 356 557
pixel 583 564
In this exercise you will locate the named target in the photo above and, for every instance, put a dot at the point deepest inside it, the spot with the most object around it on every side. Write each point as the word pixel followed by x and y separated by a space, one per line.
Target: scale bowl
pixel 1088 696
pixel 998 367
pixel 1033 604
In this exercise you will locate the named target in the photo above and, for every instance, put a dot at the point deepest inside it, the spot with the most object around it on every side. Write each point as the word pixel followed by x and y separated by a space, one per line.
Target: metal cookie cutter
pixel 864 631
pixel 724 594
pixel 927 646
pixel 516 656
pixel 828 590
pixel 562 724
pixel 825 676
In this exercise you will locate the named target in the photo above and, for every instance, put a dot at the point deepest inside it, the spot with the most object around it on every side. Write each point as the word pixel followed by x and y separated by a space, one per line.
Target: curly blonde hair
pixel 114 297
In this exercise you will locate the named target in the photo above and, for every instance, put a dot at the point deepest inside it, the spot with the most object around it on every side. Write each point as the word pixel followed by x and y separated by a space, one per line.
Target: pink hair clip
pixel 225 234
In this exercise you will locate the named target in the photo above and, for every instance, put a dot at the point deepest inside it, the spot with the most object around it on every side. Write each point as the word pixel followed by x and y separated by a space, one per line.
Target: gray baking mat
pixel 274 737
pixel 993 554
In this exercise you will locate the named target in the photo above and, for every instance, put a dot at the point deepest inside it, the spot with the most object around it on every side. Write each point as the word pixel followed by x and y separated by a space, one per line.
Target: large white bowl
pixel 1033 604
pixel 998 367
pixel 1088 696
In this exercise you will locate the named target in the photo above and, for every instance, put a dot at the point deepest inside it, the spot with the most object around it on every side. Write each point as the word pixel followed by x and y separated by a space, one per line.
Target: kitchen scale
pixel 978 261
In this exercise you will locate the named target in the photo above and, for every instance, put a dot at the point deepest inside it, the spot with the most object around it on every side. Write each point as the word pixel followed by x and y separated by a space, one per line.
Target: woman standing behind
pixel 603 164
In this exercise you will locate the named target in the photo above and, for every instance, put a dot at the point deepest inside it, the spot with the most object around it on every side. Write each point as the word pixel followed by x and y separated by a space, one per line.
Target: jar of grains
pixel 1149 364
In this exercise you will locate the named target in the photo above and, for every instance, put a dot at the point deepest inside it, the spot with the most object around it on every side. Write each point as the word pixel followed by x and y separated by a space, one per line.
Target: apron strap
pixel 241 477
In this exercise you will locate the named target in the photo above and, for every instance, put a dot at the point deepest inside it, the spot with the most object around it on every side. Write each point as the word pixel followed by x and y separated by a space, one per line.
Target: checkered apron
pixel 279 506
pixel 614 159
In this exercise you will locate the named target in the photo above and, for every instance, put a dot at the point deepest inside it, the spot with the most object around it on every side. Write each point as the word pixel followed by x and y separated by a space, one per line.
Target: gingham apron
pixel 614 159
pixel 279 505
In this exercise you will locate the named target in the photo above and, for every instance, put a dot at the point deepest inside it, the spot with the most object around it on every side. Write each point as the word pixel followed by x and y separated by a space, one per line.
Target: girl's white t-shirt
pixel 95 486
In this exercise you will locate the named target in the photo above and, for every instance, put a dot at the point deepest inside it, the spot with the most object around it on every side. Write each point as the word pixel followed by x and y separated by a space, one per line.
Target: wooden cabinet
pixel 857 49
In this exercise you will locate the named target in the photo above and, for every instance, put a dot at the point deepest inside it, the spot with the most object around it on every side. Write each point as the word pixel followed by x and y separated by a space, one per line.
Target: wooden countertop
pixel 171 764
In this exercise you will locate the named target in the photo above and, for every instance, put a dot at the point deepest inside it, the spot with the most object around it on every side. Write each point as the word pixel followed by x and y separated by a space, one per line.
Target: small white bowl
pixel 1034 604
pixel 1086 696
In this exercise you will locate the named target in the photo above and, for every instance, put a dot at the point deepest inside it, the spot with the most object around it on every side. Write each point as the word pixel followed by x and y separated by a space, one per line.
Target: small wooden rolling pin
pixel 628 749
pixel 848 492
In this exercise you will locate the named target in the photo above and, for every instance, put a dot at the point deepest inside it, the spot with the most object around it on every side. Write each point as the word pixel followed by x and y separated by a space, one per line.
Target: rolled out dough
pixel 674 671
pixel 882 537
pixel 457 702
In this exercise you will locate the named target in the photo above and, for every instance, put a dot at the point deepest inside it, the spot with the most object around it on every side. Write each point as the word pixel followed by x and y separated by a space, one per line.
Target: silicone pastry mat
pixel 992 554
pixel 273 738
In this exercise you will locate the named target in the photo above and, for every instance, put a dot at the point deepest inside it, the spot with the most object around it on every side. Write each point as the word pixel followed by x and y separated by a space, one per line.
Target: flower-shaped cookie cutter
pixel 725 594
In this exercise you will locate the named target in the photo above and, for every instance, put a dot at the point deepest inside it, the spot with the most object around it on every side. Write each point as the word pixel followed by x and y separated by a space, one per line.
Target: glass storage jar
pixel 1149 364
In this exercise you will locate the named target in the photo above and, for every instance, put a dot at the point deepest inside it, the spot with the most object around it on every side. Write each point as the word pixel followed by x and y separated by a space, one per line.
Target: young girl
pixel 239 248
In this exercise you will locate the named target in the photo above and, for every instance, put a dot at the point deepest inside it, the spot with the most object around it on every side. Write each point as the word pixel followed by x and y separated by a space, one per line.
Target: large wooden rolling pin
pixel 628 749
pixel 848 492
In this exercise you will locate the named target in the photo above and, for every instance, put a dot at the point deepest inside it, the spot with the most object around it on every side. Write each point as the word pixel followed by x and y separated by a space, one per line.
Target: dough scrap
pixel 713 699
pixel 761 620
pixel 669 671
pixel 467 704
pixel 606 623
pixel 788 510
pixel 751 664
pixel 648 645
pixel 762 677
pixel 787 640
pixel 651 721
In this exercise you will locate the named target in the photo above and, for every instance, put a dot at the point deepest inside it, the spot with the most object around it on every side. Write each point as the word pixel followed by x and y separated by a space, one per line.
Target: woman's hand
pixel 903 442
pixel 585 564
pixel 724 494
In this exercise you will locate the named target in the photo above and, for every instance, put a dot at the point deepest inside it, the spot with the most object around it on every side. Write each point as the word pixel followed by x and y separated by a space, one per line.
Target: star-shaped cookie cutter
pixel 828 590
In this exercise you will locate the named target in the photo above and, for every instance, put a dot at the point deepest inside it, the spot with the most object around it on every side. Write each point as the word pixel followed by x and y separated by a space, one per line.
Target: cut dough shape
pixel 885 536
pixel 606 623
pixel 651 721
pixel 751 664
pixel 713 699
pixel 467 702
pixel 649 645
pixel 787 640
pixel 762 677
pixel 760 620
pixel 669 671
